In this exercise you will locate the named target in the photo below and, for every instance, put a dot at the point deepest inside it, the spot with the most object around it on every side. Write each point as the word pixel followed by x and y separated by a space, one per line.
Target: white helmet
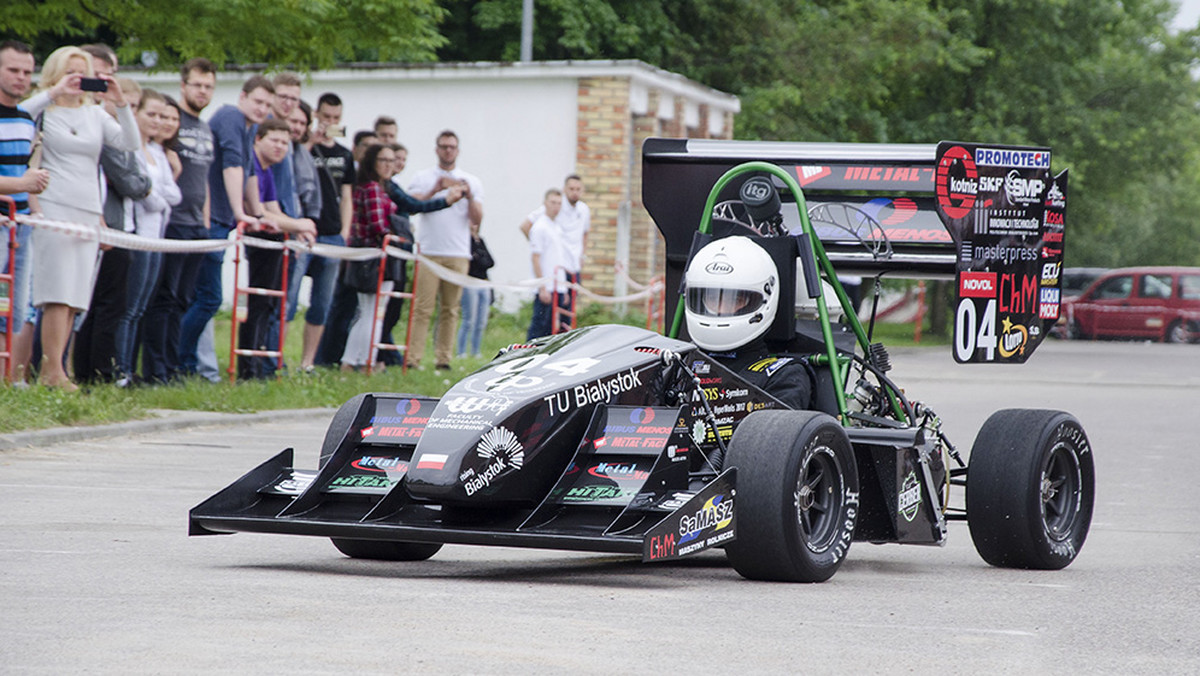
pixel 732 291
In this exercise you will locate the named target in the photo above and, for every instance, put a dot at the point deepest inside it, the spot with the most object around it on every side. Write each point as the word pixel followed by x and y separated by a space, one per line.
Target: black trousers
pixel 95 357
pixel 160 323
pixel 260 330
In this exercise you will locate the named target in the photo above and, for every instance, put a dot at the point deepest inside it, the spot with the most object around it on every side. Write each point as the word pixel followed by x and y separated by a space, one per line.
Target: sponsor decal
pixel 718 268
pixel 977 285
pixel 619 471
pixel 1055 197
pixel 676 454
pixel 1022 190
pixel 1049 310
pixel 377 463
pixel 716 514
pixel 662 546
pixel 477 404
pixel 699 432
pixel 408 406
pixel 394 432
pixel 808 174
pixel 641 416
pixel 909 500
pixel 1049 296
pixel 295 485
pixel 602 390
pixel 957 190
pixel 1005 255
pixel 1055 218
pixel 1050 273
pixel 362 481
pixel 432 461
pixel 701 368
pixel 595 493
pixel 367 431
pixel 902 210
pixel 1017 293
pixel 1020 159
pixel 769 365
pixel 1012 338
pixel 504 451
pixel 843 543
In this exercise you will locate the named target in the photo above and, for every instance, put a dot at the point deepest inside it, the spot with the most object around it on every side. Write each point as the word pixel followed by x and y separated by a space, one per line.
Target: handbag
pixel 361 276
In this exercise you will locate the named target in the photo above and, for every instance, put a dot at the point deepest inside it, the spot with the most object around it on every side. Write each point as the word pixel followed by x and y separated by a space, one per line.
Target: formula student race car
pixel 618 439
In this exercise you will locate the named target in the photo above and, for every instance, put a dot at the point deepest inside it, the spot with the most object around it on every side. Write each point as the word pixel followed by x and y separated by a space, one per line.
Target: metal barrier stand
pixel 556 325
pixel 656 304
pixel 280 293
pixel 377 316
pixel 8 279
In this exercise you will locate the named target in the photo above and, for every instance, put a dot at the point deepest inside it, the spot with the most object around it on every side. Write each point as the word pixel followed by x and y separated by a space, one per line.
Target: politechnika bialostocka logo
pixel 503 446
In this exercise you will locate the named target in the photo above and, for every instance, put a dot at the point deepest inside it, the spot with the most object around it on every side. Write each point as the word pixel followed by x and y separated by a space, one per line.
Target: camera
pixel 93 84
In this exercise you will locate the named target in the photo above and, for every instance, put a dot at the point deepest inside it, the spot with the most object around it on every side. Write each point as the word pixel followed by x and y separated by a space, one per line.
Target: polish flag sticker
pixel 432 461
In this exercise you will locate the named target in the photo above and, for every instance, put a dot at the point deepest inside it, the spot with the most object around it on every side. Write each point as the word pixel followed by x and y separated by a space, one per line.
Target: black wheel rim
pixel 1060 488
pixel 818 498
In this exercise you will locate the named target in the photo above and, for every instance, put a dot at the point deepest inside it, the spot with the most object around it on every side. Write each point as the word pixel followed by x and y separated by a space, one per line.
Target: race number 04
pixel 972 332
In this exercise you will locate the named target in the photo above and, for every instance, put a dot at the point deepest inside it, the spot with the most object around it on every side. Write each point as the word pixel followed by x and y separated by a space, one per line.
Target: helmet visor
pixel 717 302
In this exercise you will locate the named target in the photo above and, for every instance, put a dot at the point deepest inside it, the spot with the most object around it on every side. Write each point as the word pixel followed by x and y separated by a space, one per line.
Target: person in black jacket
pixel 476 301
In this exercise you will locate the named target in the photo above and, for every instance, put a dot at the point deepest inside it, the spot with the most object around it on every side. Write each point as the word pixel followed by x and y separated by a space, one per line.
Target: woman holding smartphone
pixel 73 132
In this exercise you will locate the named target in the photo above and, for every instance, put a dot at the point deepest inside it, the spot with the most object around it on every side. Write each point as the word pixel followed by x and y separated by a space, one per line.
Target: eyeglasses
pixel 204 87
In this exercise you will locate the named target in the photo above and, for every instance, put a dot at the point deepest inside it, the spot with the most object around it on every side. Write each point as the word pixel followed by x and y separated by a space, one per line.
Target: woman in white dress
pixel 74 130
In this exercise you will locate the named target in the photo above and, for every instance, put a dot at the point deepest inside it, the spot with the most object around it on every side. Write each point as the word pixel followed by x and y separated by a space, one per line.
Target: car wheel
pixel 1030 489
pixel 1177 332
pixel 797 496
pixel 367 549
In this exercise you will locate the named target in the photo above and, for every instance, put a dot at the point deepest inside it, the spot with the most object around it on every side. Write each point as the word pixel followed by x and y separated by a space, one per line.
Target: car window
pixel 1189 287
pixel 1114 287
pixel 1155 286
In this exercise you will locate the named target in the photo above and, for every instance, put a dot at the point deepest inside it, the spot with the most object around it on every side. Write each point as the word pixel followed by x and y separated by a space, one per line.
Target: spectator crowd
pixel 93 149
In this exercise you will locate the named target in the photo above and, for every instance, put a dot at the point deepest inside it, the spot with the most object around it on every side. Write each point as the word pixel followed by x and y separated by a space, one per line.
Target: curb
pixel 167 420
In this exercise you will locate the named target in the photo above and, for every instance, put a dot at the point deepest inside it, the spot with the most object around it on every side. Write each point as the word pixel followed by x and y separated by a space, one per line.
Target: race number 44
pixel 974 330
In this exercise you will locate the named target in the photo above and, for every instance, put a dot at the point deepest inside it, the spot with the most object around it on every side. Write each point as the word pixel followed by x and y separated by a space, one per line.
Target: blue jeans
pixel 475 306
pixel 141 282
pixel 22 311
pixel 206 302
pixel 324 273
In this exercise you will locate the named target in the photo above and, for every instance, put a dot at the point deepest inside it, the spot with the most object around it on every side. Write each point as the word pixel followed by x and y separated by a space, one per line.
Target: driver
pixel 732 295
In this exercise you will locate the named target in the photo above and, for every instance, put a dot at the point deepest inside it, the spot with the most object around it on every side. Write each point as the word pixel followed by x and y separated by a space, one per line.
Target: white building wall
pixel 517 135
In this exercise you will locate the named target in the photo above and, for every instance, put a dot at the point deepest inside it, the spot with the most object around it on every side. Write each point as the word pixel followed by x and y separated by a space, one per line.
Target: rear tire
pixel 379 550
pixel 1030 489
pixel 1177 332
pixel 797 496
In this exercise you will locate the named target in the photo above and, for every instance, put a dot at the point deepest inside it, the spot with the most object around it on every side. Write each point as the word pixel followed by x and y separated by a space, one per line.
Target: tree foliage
pixel 1102 82
pixel 305 34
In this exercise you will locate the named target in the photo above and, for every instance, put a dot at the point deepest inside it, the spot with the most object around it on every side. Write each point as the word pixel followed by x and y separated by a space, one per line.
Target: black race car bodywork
pixel 617 439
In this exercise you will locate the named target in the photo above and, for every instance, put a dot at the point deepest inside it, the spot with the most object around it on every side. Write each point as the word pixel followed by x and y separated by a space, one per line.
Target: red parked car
pixel 1159 303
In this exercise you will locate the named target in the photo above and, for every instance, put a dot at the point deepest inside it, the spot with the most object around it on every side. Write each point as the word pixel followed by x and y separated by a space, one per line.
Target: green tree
pixel 306 34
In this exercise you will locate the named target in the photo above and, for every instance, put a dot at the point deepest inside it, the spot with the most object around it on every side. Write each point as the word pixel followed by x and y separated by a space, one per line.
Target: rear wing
pixel 989 216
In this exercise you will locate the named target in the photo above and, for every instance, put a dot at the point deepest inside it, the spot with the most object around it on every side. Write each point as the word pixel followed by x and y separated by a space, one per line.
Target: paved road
pixel 98 574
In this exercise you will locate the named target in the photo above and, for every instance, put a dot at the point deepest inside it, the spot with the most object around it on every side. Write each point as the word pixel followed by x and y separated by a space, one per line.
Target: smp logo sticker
pixel 977 285
pixel 1023 190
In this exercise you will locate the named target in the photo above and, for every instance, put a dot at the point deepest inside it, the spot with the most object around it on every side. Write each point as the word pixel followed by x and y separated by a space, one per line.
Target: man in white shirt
pixel 445 238
pixel 549 257
pixel 574 219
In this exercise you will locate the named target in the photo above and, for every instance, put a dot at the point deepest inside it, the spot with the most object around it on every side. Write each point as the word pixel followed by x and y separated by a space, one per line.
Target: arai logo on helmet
pixel 718 268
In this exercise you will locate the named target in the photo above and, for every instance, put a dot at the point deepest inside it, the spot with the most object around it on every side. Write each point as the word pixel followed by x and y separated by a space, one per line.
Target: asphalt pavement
pixel 98 575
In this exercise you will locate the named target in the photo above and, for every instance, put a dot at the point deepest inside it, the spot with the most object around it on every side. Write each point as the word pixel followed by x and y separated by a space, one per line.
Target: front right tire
pixel 797 496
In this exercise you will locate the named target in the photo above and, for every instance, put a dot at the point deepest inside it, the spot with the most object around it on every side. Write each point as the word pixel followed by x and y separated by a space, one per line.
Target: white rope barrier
pixel 124 240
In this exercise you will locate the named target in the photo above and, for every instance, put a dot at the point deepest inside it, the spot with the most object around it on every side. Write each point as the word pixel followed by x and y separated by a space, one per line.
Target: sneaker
pixel 442 367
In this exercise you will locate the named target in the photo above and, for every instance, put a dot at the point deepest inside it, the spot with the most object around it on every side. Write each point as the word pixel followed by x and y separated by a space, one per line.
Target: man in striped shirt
pixel 18 181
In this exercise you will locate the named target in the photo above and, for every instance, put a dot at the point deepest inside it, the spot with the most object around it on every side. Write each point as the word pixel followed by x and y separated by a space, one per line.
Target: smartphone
pixel 335 131
pixel 93 84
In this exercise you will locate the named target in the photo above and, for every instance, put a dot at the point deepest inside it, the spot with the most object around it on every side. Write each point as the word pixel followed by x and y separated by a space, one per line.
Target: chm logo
pixel 718 268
